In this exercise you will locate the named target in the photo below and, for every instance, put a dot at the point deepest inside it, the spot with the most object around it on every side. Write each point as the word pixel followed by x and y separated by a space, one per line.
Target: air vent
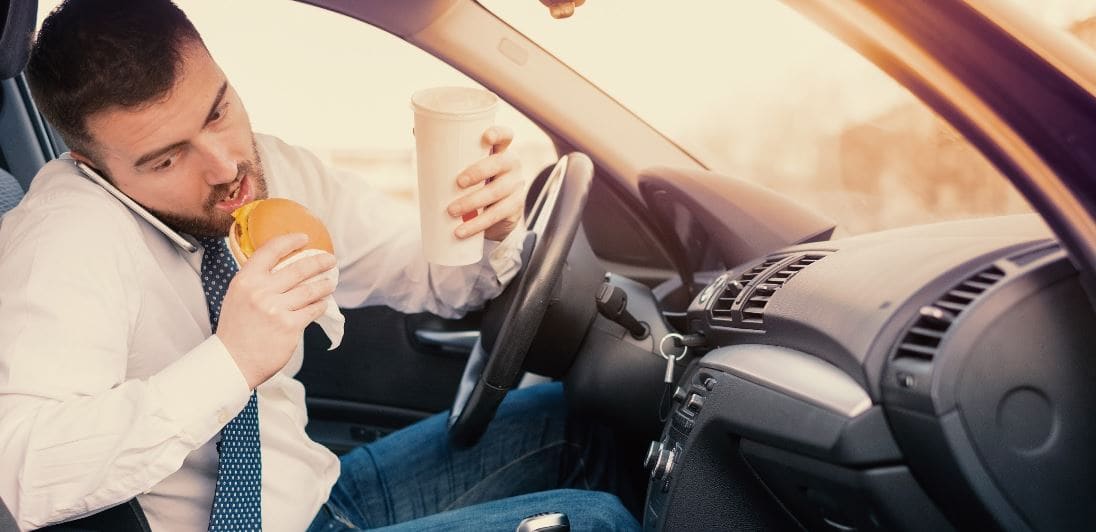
pixel 753 310
pixel 721 308
pixel 751 273
pixel 924 337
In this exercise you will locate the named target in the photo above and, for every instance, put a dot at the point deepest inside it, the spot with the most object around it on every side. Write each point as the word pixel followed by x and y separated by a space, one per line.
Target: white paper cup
pixel 449 127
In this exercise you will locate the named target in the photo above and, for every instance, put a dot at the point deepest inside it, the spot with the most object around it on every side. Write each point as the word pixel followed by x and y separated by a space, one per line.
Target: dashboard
pixel 929 378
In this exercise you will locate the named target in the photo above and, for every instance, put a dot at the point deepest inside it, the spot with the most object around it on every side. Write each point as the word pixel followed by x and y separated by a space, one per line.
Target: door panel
pixel 343 425
pixel 381 378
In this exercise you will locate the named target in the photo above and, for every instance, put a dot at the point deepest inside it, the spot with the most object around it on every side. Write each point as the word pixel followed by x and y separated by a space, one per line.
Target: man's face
pixel 189 158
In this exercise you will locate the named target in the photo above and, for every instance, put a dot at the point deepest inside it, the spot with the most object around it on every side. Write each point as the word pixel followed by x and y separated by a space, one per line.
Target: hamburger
pixel 261 220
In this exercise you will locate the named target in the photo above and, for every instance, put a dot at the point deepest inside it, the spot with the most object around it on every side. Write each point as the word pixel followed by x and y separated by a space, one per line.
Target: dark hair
pixel 91 55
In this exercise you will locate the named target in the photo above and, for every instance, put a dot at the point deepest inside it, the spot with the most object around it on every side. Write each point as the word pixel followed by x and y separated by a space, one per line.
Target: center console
pixel 768 438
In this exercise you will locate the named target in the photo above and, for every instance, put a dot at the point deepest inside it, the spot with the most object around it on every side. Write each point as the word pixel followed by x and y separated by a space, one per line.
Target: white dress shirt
pixel 111 385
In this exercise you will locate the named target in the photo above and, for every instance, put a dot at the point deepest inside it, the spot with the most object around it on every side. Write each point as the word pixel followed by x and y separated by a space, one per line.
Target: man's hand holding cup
pixel 470 186
pixel 494 209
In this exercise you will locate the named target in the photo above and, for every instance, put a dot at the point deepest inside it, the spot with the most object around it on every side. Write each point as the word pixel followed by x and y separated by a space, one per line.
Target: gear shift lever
pixel 545 522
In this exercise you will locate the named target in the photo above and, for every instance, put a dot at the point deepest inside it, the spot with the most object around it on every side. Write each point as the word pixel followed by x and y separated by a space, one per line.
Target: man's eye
pixel 219 113
pixel 164 164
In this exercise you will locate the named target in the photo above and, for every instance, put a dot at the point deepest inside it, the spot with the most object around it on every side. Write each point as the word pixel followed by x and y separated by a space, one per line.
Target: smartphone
pixel 135 207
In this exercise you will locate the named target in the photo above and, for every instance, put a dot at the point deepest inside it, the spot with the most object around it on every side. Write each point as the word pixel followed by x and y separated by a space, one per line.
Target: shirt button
pixel 223 417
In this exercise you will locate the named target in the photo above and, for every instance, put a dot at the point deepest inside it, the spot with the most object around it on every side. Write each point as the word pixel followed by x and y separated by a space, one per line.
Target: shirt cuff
pixel 203 390
pixel 505 256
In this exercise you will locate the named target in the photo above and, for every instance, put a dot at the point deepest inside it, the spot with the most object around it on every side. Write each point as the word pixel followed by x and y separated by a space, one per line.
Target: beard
pixel 213 222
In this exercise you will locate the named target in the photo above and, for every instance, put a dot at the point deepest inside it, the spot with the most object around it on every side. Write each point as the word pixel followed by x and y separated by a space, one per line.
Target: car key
pixel 668 378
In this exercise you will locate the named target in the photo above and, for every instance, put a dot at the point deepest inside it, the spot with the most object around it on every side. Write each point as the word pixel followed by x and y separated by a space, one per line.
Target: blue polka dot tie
pixel 236 501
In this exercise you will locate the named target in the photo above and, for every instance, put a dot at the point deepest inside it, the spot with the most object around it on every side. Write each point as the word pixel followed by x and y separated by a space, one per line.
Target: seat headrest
pixel 18 17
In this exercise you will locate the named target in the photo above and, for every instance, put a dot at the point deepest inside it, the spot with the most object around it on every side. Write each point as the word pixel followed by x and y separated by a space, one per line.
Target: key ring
pixel 662 346
pixel 669 376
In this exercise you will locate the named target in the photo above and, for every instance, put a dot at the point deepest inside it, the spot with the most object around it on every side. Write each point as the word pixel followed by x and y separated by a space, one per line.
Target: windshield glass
pixel 757 91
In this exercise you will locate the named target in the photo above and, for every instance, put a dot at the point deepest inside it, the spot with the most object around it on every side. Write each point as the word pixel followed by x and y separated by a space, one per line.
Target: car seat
pixel 10 191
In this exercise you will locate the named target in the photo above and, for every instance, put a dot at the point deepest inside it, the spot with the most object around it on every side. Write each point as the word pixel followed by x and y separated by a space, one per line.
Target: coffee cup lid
pixel 458 103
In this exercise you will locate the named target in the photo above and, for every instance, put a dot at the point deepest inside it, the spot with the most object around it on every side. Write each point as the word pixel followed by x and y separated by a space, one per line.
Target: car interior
pixel 765 371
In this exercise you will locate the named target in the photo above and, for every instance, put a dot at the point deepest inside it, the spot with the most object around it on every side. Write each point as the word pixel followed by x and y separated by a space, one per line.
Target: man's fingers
pixel 489 166
pixel 308 293
pixel 505 186
pixel 501 198
pixel 499 137
pixel 300 271
pixel 315 310
pixel 562 8
pixel 308 314
pixel 503 210
pixel 272 252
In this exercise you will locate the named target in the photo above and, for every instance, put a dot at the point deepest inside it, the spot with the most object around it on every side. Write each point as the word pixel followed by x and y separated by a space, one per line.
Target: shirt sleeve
pixel 77 436
pixel 378 245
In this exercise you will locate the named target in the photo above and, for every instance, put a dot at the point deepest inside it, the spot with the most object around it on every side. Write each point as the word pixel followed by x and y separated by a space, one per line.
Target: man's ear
pixel 82 158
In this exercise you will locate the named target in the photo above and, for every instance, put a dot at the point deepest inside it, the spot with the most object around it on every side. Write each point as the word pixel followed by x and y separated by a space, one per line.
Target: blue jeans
pixel 414 480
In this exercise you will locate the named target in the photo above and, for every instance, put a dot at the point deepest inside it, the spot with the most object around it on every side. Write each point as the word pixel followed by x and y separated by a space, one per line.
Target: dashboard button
pixel 905 380
pixel 664 465
pixel 694 403
pixel 653 451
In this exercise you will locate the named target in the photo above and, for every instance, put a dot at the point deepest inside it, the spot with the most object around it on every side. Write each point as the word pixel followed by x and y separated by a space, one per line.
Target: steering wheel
pixel 497 359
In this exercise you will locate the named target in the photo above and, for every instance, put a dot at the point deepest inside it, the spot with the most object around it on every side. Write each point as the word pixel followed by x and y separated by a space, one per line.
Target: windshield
pixel 757 91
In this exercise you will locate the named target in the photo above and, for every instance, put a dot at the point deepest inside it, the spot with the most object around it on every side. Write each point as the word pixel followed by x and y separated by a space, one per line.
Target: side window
pixel 335 85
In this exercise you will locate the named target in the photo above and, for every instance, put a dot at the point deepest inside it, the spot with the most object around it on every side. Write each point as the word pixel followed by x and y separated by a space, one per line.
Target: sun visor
pixel 18 28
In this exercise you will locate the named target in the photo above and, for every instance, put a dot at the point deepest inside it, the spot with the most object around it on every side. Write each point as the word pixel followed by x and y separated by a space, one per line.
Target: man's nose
pixel 220 166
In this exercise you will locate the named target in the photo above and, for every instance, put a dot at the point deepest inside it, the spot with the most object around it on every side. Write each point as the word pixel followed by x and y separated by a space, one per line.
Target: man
pixel 135 366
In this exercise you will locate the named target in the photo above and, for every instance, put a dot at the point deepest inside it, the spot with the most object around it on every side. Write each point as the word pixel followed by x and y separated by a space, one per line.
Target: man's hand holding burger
pixel 264 312
pixel 502 199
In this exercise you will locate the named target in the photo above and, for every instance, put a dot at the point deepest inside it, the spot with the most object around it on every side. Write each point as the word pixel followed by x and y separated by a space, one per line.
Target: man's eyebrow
pixel 152 155
pixel 217 101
